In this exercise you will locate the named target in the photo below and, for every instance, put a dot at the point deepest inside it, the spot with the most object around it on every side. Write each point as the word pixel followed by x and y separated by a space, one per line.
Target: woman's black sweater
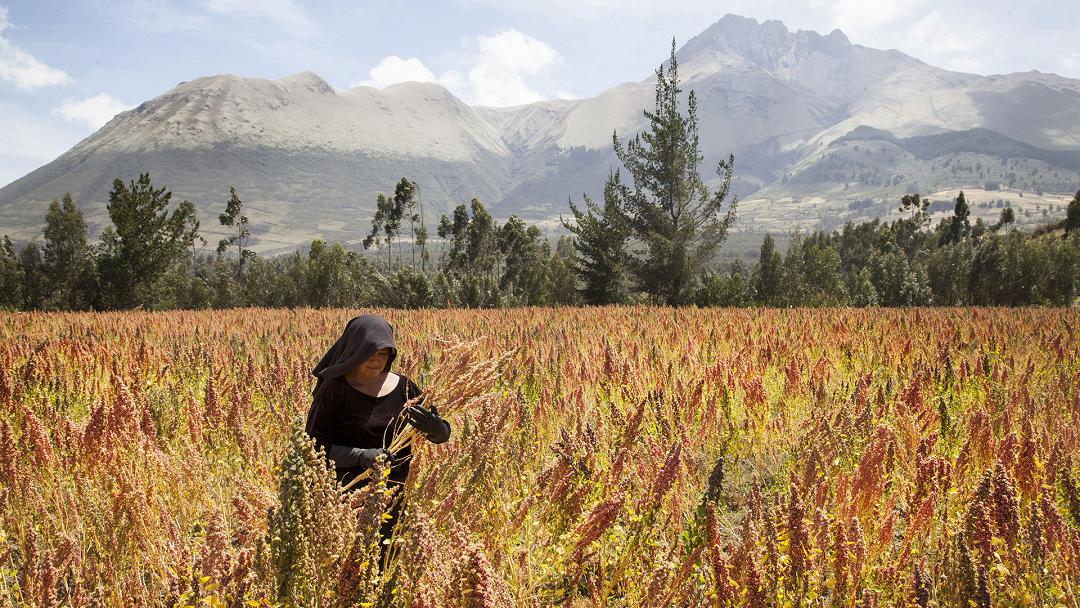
pixel 340 415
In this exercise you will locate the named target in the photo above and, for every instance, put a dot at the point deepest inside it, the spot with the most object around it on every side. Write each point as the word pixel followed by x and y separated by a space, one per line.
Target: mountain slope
pixel 306 157
pixel 308 160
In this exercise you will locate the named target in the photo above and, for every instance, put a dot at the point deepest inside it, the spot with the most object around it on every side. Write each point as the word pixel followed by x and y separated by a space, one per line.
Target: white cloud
pixel 285 13
pixel 21 68
pixel 501 64
pixel 517 52
pixel 94 111
pixel 394 69
pixel 495 69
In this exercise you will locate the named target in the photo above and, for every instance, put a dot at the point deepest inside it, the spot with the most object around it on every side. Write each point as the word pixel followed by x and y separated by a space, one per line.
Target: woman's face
pixel 375 364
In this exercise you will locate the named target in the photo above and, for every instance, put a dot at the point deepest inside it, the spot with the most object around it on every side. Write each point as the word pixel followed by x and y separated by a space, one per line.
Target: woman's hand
pixel 347 457
pixel 430 423
pixel 367 459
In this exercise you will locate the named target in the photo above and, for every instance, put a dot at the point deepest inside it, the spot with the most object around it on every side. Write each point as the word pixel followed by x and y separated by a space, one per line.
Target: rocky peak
pixel 769 45
pixel 307 80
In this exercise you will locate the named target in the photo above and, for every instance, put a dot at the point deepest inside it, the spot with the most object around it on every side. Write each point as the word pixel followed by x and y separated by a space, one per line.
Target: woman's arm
pixel 322 419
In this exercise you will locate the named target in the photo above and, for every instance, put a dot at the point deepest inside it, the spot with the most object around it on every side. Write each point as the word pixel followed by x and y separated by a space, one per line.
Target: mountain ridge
pixel 308 159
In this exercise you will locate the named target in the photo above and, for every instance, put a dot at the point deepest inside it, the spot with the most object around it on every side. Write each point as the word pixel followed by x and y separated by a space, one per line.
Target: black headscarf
pixel 362 338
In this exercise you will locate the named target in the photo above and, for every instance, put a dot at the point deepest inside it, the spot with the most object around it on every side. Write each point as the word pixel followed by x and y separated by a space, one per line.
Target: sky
pixel 68 66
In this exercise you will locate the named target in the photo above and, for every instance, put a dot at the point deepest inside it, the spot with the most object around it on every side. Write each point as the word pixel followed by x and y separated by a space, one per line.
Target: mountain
pixel 815 123
pixel 307 159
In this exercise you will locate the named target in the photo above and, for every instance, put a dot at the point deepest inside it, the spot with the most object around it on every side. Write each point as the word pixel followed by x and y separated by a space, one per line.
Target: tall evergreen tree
pixel 525 275
pixel 454 231
pixel 1072 214
pixel 144 240
pixel 897 279
pixel 601 236
pixel 768 275
pixel 10 276
pixel 336 276
pixel 978 229
pixel 860 289
pixel 670 209
pixel 793 274
pixel 66 254
pixel 470 270
pixel 35 287
pixel 1008 216
pixel 959 225
pixel 948 269
pixel 378 221
pixel 821 272
pixel 483 245
pixel 563 287
pixel 234 219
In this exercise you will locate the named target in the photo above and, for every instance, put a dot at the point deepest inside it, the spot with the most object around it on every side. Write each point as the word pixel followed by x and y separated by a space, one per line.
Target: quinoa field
pixel 626 457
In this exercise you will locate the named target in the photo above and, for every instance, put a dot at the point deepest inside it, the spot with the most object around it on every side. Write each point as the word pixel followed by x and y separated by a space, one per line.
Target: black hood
pixel 363 336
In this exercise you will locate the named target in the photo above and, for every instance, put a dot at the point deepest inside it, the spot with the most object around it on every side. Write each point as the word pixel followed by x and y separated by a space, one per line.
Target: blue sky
pixel 66 67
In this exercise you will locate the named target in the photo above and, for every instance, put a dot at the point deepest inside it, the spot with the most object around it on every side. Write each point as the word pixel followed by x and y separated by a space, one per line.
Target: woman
pixel 358 404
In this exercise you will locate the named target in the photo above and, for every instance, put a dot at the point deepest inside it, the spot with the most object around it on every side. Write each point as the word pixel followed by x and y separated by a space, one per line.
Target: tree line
pixel 149 258
pixel 909 262
pixel 652 239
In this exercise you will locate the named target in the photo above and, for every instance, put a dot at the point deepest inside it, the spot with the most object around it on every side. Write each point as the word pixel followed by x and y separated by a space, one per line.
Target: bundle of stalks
pixel 459 383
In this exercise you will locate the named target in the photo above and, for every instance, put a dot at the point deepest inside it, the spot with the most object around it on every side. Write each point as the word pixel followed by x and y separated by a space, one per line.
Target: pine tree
pixel 670 210
pixel 769 274
pixel 482 246
pixel 10 276
pixel 34 282
pixel 525 274
pixel 1008 216
pixel 470 267
pixel 795 291
pixel 563 287
pixel 233 218
pixel 143 242
pixel 959 226
pixel 454 231
pixel 1072 215
pixel 601 234
pixel 66 254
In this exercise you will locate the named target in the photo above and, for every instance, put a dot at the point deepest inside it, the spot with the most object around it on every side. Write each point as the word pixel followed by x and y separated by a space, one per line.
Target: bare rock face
pixel 308 160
